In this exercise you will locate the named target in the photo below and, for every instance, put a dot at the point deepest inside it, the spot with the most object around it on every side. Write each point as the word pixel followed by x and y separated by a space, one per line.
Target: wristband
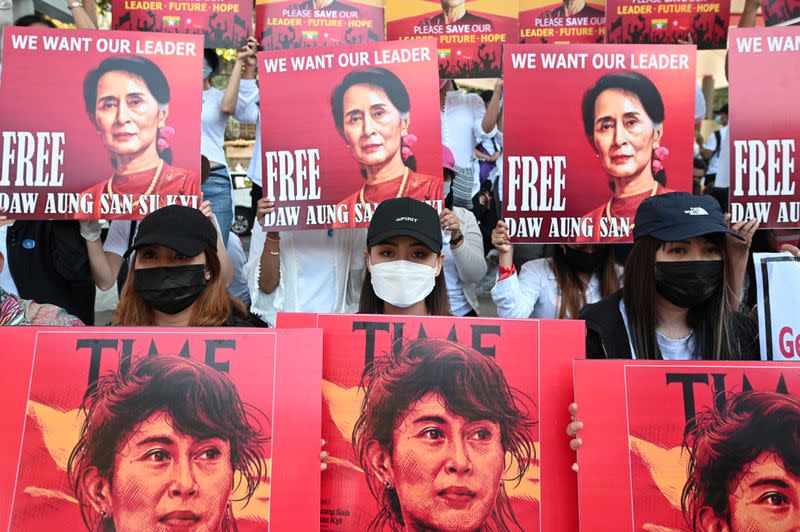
pixel 457 240
pixel 75 5
pixel 505 273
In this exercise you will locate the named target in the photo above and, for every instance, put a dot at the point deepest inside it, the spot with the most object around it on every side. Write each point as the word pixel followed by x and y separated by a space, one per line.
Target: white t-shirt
pixel 723 179
pixel 671 349
pixel 118 237
pixel 711 144
pixel 254 169
pixel 699 103
pixel 6 280
pixel 214 121
pixel 238 287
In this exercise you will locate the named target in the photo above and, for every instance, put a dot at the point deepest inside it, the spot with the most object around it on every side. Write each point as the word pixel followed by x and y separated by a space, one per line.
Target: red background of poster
pixel 282 36
pixel 780 12
pixel 532 354
pixel 49 87
pixel 224 24
pixel 764 111
pixel 553 126
pixel 633 472
pixel 480 62
pixel 561 34
pixel 708 29
pixel 286 364
pixel 296 114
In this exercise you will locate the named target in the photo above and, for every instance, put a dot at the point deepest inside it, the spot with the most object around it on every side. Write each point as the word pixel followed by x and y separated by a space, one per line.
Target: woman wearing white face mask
pixel 404 261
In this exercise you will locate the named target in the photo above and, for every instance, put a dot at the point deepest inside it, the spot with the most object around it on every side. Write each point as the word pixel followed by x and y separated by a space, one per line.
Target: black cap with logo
pixel 184 229
pixel 677 216
pixel 405 217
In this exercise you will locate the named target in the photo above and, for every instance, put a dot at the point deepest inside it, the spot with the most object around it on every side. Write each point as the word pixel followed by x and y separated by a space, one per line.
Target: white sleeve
pixel 699 103
pixel 469 258
pixel 478 112
pixel 247 102
pixel 119 234
pixel 516 296
pixel 711 143
pixel 263 305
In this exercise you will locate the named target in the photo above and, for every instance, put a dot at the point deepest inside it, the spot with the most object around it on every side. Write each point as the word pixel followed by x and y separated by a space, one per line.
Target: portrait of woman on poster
pixel 437 422
pixel 623 120
pixel 160 446
pixel 127 100
pixel 372 112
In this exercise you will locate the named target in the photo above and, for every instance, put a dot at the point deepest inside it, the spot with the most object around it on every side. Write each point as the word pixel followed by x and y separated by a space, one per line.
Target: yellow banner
pixel 400 9
pixel 324 4
pixel 527 5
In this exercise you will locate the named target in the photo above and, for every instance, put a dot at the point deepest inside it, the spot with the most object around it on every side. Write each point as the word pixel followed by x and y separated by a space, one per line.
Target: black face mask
pixel 170 289
pixel 690 282
pixel 582 261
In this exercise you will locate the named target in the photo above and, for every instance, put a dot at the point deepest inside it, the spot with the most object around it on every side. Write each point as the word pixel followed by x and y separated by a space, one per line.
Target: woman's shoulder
pixel 542 268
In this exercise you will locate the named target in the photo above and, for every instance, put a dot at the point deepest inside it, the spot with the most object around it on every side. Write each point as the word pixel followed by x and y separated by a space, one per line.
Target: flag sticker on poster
pixel 548 21
pixel 780 12
pixel 688 445
pixel 566 178
pixel 116 138
pixel 470 33
pixel 149 409
pixel 374 132
pixel 223 23
pixel 701 22
pixel 404 379
pixel 777 285
pixel 282 24
pixel 763 135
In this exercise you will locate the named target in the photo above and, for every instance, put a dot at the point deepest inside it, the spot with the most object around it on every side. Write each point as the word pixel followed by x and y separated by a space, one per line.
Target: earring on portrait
pixel 387 484
pixel 103 514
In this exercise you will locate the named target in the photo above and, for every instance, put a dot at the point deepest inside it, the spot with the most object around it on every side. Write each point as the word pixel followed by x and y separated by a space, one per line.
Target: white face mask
pixel 402 283
pixel 447 185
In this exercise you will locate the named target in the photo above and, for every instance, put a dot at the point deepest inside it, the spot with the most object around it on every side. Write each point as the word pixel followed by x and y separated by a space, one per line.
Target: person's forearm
pixel 231 95
pixel 270 267
pixel 749 14
pixel 469 259
pixel 738 271
pixel 225 264
pixel 85 16
pixel 492 113
pixel 102 272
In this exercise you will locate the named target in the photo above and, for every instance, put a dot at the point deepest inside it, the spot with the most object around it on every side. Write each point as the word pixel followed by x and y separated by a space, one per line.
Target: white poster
pixel 778 284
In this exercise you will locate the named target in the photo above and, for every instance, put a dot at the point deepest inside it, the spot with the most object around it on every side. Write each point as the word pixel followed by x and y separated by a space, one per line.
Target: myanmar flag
pixel 170 20
pixel 444 52
pixel 659 23
pixel 310 34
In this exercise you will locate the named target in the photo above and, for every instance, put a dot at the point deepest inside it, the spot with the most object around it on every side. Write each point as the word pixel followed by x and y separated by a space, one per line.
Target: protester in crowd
pixel 487 152
pixel 699 175
pixel 175 277
pixel 713 146
pixel 240 100
pixel 557 287
pixel 238 288
pixel 372 112
pixel 464 263
pixel 404 261
pixel 466 121
pixel 439 434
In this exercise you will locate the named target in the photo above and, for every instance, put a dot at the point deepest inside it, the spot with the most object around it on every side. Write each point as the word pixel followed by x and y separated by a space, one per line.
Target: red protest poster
pixel 370 131
pixel 282 24
pixel 702 22
pixel 611 126
pixel 548 21
pixel 223 23
pixel 678 446
pixel 458 423
pixel 780 12
pixel 118 135
pixel 764 137
pixel 470 33
pixel 136 429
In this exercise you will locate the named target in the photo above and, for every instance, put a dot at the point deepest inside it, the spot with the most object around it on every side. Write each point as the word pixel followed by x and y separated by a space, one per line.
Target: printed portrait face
pixel 373 126
pixel 449 4
pixel 624 135
pixel 127 114
pixel 446 469
pixel 164 480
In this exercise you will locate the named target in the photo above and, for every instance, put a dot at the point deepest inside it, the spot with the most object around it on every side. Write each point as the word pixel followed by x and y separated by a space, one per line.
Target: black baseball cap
pixel 184 229
pixel 676 216
pixel 405 217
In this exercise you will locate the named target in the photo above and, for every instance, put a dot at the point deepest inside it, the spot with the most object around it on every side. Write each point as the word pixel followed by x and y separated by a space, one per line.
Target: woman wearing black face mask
pixel 175 278
pixel 555 287
pixel 681 288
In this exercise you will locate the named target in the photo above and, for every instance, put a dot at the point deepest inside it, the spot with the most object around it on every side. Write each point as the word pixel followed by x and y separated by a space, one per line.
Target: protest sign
pixel 547 21
pixel 777 284
pixel 700 22
pixel 234 411
pixel 470 34
pixel 223 23
pixel 491 393
pixel 370 131
pixel 763 132
pixel 739 422
pixel 108 137
pixel 780 12
pixel 282 24
pixel 566 178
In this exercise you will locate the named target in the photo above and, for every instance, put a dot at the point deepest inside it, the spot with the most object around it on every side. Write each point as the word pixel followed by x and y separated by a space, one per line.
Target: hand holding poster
pixel 763 130
pixel 570 21
pixel 612 125
pixel 282 24
pixel 108 136
pixel 679 446
pixel 777 283
pixel 223 23
pixel 134 430
pixel 372 131
pixel 780 12
pixel 471 33
pixel 449 423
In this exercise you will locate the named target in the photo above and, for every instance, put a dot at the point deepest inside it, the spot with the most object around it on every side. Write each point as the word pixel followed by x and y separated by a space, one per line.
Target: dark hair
pixel 713 321
pixel 699 164
pixel 632 83
pixel 141 67
pixel 212 59
pixel 472 386
pixel 200 401
pixel 375 77
pixel 572 288
pixel 29 20
pixel 486 96
pixel 722 442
